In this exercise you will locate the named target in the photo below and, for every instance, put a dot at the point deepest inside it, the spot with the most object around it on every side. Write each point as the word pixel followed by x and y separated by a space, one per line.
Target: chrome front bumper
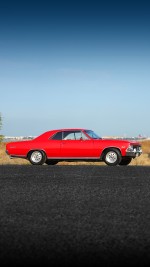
pixel 133 154
pixel 136 152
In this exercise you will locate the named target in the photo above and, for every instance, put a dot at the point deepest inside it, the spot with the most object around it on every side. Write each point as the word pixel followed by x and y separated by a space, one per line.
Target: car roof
pixel 71 129
pixel 52 132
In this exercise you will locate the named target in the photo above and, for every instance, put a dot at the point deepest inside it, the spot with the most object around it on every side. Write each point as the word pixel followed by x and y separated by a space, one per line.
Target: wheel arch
pixel 35 149
pixel 108 148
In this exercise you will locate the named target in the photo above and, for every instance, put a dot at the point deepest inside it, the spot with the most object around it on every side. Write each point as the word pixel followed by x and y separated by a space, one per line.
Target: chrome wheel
pixel 111 157
pixel 37 157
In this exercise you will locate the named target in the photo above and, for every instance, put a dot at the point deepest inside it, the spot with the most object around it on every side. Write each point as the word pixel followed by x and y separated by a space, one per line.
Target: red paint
pixel 89 148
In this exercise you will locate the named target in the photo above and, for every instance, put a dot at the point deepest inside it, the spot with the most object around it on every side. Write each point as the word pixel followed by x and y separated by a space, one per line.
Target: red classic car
pixel 74 144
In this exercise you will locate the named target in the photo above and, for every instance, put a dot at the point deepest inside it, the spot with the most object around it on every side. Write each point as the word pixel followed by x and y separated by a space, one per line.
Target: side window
pixel 77 135
pixel 68 135
pixel 57 136
pixel 80 136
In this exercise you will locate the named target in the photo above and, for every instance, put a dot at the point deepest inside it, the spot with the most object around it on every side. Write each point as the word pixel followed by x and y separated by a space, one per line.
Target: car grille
pixel 137 148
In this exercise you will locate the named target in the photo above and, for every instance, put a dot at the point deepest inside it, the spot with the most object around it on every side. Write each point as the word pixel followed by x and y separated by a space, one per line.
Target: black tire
pixel 125 161
pixel 112 157
pixel 51 162
pixel 37 157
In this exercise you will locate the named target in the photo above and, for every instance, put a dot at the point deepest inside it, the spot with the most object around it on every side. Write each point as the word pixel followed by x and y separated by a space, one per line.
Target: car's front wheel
pixel 37 157
pixel 112 157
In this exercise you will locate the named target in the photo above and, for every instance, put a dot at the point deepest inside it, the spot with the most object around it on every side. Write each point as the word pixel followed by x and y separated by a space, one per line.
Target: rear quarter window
pixel 57 136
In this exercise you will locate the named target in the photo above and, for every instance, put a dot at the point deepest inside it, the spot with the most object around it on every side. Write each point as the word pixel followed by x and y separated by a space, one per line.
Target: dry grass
pixel 144 159
pixel 146 146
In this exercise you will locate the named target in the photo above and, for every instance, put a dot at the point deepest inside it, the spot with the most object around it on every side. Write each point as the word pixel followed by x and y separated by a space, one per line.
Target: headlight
pixel 130 148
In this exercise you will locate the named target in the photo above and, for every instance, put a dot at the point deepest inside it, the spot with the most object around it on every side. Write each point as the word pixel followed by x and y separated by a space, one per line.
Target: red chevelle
pixel 74 144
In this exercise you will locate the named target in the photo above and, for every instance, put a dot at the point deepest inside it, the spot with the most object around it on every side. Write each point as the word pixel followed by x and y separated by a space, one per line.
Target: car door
pixel 76 145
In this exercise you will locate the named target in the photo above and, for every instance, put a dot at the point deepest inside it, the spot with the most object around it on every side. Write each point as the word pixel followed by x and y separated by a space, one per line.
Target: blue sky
pixel 75 64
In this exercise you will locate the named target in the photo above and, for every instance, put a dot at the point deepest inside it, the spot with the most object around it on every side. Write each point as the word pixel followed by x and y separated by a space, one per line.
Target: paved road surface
pixel 74 215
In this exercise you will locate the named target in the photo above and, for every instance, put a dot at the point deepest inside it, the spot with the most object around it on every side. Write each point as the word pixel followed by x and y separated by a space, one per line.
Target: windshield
pixel 92 134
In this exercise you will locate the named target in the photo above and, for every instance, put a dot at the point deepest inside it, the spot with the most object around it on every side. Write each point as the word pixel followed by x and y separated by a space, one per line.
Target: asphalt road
pixel 74 215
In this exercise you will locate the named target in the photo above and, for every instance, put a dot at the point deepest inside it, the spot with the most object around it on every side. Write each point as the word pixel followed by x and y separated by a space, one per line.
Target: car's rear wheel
pixel 51 162
pixel 37 157
pixel 125 161
pixel 112 157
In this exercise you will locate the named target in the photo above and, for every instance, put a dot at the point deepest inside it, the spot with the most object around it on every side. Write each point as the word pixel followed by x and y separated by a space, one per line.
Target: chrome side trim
pixel 17 156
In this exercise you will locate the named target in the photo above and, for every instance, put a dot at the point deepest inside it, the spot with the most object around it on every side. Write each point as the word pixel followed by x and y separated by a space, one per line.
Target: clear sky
pixel 75 64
